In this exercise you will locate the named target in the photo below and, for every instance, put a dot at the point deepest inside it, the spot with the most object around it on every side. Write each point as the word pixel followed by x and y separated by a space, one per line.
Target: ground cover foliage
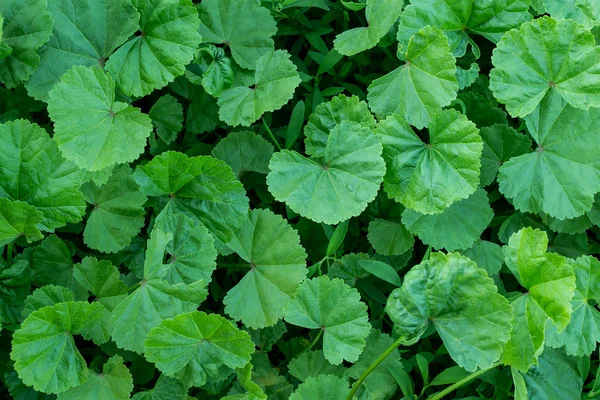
pixel 299 199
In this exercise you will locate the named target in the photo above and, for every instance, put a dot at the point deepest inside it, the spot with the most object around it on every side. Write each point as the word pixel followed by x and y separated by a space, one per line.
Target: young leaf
pixel 558 57
pixel 455 296
pixel 323 387
pixel 429 177
pixel 195 345
pixel 333 188
pixel 312 364
pixel 243 26
pixel 585 12
pixel 166 45
pixel 34 171
pixel 244 151
pixel 46 330
pixel 91 128
pixel 381 270
pixel 334 307
pixel 277 265
pixel 101 278
pixel 27 26
pixel 420 88
pixel 275 81
pixel 18 220
pixel 381 15
pixel 211 69
pixel 118 213
pixel 203 188
pixel 348 268
pixel 486 255
pixel 550 282
pixel 389 238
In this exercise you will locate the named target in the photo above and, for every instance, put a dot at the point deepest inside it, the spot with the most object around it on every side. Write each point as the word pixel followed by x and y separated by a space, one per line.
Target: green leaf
pixel 455 296
pixel 380 15
pixel 481 110
pixel 380 384
pixel 243 26
pixel 203 188
pixel 323 387
pixel 212 69
pixel 86 32
pixel 381 270
pixel 585 12
pixel 195 345
pixel 167 117
pixel 46 330
pixel 91 128
pixel 583 331
pixel 486 255
pixel 18 219
pixel 48 295
pixel 550 284
pixel 429 177
pixel 461 19
pixel 114 383
pixel 334 307
pixel 457 227
pixel 560 177
pixel 274 83
pixel 244 151
pixel 466 77
pixel 118 213
pixel 277 265
pixel 166 45
pixel 154 300
pixel 15 283
pixel 165 389
pixel 420 88
pixel 348 268
pixel 34 171
pixel 27 26
pixel 500 144
pixel 558 57
pixel 312 364
pixel 102 279
pixel 333 188
pixel 327 116
pixel 53 264
pixel 192 251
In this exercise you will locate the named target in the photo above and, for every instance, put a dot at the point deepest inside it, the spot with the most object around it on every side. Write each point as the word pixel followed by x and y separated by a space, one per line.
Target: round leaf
pixel 244 151
pixel 18 219
pixel 324 387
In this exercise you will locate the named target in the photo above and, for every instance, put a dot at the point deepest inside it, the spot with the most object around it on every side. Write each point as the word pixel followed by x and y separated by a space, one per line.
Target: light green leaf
pixel 500 144
pixel 389 238
pixel 457 227
pixel 333 188
pixel 243 26
pixel 154 300
pixel 546 56
pixel 429 177
pixel 461 19
pixel 34 171
pixel 118 213
pixel 44 331
pixel 312 364
pixel 466 77
pixel 192 252
pixel 550 284
pixel 86 32
pixel 380 384
pixel 323 387
pixel 27 26
pixel 348 268
pixel 452 293
pixel 167 117
pixel 18 220
pixel 381 270
pixel 328 115
pixel 420 88
pixel 102 279
pixel 166 45
pixel 277 263
pixel 195 345
pixel 203 188
pixel 91 128
pixel 15 283
pixel 113 383
pixel 275 81
pixel 486 255
pixel 583 332
pixel 211 69
pixel 578 224
pixel 380 15
pixel 53 264
pixel 561 176
pixel 244 151
pixel 165 389
pixel 334 307
pixel 47 295
pixel 585 12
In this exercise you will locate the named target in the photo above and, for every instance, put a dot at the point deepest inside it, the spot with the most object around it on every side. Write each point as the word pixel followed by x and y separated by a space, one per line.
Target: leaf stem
pixel 464 380
pixel 271 134
pixel 9 252
pixel 314 341
pixel 374 365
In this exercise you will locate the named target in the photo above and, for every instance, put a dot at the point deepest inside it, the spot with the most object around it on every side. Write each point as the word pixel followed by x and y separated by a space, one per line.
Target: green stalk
pixel 271 134
pixel 374 365
pixel 314 341
pixel 458 384
pixel 9 252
